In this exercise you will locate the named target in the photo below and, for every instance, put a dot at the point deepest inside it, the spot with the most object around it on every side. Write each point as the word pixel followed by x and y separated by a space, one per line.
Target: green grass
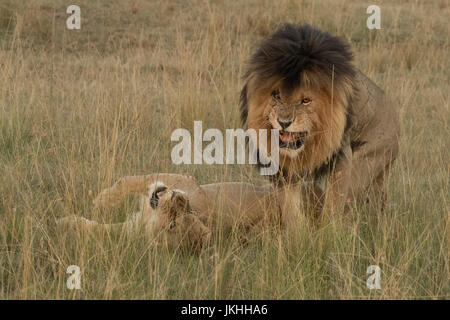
pixel 81 108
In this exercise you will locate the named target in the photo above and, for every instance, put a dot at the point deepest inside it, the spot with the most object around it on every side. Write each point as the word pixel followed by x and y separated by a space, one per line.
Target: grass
pixel 81 108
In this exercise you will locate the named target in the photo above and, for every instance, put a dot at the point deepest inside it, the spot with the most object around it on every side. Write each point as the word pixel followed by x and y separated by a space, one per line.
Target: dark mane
pixel 293 49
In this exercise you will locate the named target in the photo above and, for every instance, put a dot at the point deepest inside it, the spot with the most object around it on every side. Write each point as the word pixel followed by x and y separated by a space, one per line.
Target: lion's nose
pixel 284 124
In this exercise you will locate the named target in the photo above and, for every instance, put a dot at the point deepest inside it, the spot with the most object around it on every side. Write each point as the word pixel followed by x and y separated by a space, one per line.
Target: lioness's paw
pixel 72 221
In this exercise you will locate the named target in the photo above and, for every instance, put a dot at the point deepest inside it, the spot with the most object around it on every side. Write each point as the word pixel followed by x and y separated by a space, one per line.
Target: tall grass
pixel 81 108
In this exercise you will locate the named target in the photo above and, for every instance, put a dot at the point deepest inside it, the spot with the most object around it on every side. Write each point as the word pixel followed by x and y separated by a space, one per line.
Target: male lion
pixel 177 210
pixel 337 128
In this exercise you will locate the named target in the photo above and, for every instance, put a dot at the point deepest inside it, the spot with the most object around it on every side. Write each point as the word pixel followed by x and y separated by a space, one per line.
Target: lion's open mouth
pixel 292 140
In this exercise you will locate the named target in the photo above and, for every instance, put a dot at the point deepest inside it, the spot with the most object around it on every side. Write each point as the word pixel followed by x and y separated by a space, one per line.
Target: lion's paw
pixel 72 221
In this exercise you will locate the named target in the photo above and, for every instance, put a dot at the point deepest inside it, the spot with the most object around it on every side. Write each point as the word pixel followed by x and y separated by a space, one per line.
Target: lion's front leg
pixel 339 182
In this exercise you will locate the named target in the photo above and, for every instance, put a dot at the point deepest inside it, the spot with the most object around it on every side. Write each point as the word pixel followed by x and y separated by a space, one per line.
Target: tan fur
pixel 188 212
pixel 326 125
pixel 374 122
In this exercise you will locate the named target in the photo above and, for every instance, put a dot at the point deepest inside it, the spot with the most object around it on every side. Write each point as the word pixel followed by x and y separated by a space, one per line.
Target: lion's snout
pixel 284 123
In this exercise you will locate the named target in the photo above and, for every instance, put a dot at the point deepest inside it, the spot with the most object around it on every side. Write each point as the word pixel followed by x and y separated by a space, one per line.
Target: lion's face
pixel 296 116
pixel 173 218
pixel 310 123
pixel 300 81
pixel 167 206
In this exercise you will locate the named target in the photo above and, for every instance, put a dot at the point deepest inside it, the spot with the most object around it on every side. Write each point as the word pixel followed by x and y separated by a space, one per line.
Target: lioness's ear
pixel 156 194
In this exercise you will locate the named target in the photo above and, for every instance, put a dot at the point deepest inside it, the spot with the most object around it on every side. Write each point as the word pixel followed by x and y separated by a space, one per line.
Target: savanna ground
pixel 81 108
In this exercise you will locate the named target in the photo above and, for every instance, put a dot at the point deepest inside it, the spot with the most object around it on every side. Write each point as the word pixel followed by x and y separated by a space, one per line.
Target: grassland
pixel 81 108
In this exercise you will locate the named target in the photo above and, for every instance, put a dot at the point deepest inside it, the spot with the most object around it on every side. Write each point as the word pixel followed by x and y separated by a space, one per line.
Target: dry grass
pixel 78 109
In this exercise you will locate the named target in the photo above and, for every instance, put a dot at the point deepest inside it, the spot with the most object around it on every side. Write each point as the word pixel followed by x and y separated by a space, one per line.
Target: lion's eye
pixel 276 94
pixel 306 101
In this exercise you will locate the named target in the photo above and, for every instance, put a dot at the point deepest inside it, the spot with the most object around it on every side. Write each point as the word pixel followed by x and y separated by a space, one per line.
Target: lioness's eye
pixel 306 101
pixel 276 94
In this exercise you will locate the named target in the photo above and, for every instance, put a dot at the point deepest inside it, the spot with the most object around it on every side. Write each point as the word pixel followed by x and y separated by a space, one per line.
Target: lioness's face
pixel 168 205
pixel 173 218
pixel 294 115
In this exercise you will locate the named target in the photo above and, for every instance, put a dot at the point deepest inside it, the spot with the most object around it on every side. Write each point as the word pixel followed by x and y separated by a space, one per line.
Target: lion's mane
pixel 300 56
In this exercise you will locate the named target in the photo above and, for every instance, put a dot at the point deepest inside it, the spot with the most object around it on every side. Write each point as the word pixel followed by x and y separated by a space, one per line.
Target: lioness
pixel 175 208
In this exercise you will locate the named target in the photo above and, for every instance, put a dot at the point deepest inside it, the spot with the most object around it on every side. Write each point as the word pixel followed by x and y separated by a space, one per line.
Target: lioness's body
pixel 238 206
pixel 229 203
